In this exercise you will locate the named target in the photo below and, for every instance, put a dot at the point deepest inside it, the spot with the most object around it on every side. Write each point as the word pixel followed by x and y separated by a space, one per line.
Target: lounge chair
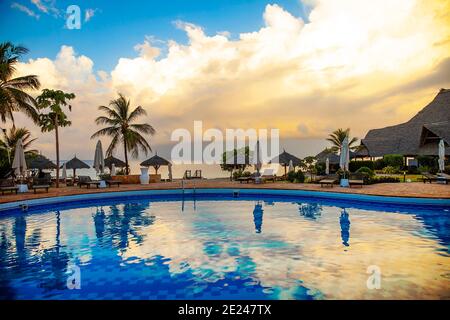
pixel 443 177
pixel 268 175
pixel 187 174
pixel 41 184
pixel 113 182
pixel 8 185
pixel 87 181
pixel 245 179
pixel 198 174
pixel 329 180
pixel 356 180
pixel 428 177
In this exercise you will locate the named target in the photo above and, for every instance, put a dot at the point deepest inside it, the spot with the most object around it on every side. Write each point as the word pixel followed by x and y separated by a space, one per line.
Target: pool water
pixel 214 248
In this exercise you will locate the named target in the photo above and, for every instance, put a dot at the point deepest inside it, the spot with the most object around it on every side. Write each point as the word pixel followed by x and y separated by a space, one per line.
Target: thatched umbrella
pixel 75 164
pixel 40 162
pixel 155 162
pixel 285 158
pixel 117 163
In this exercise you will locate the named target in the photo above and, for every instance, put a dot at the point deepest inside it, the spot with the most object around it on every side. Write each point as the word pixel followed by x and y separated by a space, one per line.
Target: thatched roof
pixel 117 162
pixel 155 161
pixel 284 159
pixel 418 136
pixel 76 163
pixel 40 162
pixel 333 157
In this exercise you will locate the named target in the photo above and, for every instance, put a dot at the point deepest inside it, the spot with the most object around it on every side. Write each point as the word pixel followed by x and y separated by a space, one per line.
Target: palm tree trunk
pixel 127 169
pixel 57 152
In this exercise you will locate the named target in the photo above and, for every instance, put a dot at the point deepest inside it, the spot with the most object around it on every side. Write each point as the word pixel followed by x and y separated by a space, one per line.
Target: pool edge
pixel 4 207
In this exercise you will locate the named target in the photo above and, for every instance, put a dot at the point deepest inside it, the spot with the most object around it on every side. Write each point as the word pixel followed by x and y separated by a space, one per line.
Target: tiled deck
pixel 418 189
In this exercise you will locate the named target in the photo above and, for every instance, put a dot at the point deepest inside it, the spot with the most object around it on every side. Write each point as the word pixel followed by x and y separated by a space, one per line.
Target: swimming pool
pixel 224 246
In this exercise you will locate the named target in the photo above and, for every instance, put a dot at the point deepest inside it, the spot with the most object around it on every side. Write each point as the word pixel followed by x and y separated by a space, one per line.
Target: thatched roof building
pixel 418 136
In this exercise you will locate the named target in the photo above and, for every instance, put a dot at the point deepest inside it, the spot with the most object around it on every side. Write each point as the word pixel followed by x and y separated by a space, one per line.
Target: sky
pixel 306 67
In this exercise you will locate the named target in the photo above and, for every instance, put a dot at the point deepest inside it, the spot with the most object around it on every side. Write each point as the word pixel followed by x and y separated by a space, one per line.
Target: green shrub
pixel 390 170
pixel 367 171
pixel 296 177
pixel 341 173
pixel 320 168
pixel 393 160
pixel 354 166
pixel 447 169
pixel 378 179
pixel 105 176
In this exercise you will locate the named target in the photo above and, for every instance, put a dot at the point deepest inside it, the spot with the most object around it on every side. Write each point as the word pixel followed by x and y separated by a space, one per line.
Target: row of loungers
pixel 354 180
pixel 87 182
pixel 265 176
pixel 9 185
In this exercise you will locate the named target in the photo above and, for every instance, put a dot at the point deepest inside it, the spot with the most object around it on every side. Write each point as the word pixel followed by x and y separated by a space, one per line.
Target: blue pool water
pixel 223 248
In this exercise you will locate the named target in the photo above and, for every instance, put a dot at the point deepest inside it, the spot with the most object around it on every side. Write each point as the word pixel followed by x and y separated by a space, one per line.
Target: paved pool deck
pixel 414 189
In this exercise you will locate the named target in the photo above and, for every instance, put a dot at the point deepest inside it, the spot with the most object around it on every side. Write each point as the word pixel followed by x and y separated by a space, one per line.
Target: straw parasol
pixel 155 162
pixel 110 161
pixel 284 159
pixel 75 164
pixel 40 162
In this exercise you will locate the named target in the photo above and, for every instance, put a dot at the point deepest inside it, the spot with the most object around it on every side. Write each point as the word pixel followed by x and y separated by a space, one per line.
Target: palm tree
pixel 337 138
pixel 12 90
pixel 11 137
pixel 119 120
pixel 52 101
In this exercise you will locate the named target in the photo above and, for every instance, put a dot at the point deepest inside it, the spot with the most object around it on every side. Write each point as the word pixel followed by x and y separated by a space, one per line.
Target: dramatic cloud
pixel 357 64
pixel 25 9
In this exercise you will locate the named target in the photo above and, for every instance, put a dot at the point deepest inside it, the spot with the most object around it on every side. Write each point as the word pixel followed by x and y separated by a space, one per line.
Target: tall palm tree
pixel 12 90
pixel 120 127
pixel 11 137
pixel 337 138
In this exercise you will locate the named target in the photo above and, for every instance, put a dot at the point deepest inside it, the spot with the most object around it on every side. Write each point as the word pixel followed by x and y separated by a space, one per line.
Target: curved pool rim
pixel 227 192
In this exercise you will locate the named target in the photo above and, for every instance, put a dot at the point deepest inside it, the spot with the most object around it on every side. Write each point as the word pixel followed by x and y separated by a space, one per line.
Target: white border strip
pixel 227 191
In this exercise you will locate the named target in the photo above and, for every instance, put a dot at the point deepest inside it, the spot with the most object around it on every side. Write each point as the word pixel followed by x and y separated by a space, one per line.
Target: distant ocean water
pixel 208 171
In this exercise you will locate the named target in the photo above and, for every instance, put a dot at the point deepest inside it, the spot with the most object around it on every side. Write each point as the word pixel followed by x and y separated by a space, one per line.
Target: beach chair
pixel 111 183
pixel 87 181
pixel 329 180
pixel 187 175
pixel 41 184
pixel 356 180
pixel 268 175
pixel 443 177
pixel 197 174
pixel 428 177
pixel 8 185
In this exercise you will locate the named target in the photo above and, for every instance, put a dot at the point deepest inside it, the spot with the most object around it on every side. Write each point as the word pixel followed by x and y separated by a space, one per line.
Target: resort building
pixel 419 136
